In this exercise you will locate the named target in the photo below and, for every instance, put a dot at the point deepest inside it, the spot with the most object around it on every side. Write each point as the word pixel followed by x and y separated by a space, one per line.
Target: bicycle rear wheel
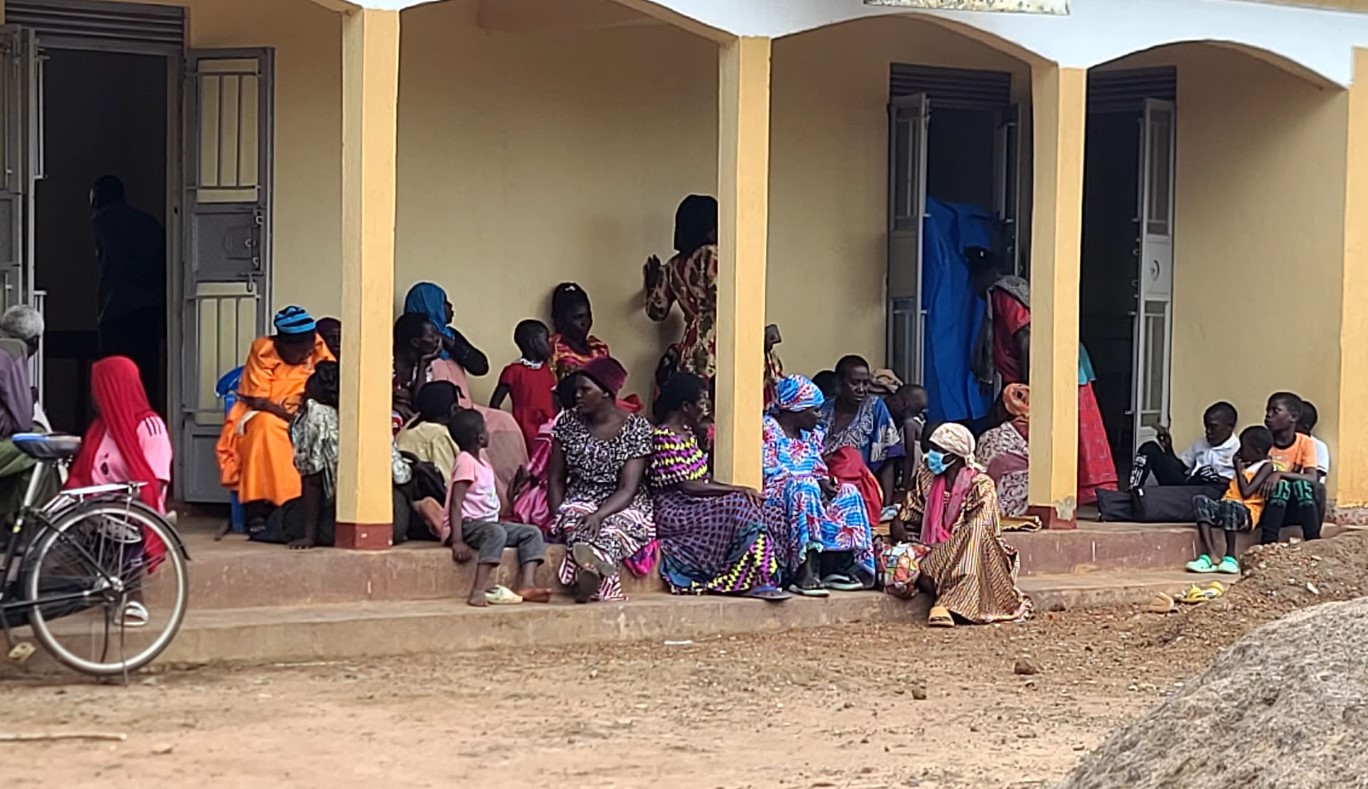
pixel 123 580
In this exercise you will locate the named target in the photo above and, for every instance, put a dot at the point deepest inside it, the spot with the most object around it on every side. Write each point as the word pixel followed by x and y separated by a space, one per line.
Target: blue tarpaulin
pixel 954 310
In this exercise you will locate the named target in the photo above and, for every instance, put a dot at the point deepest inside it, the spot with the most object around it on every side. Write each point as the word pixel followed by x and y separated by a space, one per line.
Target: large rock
pixel 1283 708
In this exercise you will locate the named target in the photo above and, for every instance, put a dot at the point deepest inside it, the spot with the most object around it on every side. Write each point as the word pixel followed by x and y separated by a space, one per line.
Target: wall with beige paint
pixel 536 156
pixel 1258 242
pixel 308 133
pixel 829 178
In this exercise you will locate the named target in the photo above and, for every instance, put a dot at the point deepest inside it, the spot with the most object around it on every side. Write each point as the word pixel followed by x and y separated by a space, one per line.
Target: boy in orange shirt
pixel 1293 489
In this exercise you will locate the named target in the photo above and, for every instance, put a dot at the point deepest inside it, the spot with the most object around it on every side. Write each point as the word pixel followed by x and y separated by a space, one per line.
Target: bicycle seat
pixel 47 446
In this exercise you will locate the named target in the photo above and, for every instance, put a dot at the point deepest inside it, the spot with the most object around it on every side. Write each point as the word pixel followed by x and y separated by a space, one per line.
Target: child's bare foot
pixel 477 600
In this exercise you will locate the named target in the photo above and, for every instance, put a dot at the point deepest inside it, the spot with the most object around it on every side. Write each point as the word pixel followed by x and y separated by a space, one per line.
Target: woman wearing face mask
pixel 959 554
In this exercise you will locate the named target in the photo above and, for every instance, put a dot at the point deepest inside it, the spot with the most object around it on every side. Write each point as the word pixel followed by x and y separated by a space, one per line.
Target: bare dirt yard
pixel 861 706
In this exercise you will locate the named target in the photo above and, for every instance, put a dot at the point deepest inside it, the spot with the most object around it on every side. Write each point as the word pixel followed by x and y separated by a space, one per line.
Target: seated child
pixel 1296 496
pixel 1241 506
pixel 1310 416
pixel 529 380
pixel 908 406
pixel 473 513
pixel 1209 461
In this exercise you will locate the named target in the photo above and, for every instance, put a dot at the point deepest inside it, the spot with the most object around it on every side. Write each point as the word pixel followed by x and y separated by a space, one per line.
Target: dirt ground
pixel 860 706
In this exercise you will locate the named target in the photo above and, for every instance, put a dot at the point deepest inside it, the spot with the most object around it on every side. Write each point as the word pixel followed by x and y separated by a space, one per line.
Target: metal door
pixel 1007 183
pixel 1154 313
pixel 23 162
pixel 227 242
pixel 908 119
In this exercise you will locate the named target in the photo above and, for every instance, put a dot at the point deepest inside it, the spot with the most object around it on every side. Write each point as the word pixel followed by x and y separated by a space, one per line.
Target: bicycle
pixel 94 573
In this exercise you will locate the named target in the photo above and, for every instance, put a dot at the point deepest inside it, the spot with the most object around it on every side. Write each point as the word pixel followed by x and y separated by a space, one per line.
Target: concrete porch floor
pixel 264 603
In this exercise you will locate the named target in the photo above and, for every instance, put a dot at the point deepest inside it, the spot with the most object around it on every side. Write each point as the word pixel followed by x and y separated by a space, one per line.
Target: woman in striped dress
pixel 960 556
pixel 714 538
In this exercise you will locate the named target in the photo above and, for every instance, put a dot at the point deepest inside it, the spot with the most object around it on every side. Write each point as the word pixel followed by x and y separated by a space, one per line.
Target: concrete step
pixel 377 629
pixel 237 574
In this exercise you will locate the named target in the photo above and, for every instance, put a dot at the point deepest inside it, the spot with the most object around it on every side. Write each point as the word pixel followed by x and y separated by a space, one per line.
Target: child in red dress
pixel 530 380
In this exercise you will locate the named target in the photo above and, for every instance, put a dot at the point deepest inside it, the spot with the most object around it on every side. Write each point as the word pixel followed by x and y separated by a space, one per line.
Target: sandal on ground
pixel 1161 604
pixel 813 591
pixel 842 583
pixel 770 594
pixel 1198 594
pixel 502 595
pixel 134 614
pixel 535 594
pixel 940 617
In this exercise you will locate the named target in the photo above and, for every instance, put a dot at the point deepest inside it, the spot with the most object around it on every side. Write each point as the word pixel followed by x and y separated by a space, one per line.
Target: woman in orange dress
pixel 256 459
pixel 572 346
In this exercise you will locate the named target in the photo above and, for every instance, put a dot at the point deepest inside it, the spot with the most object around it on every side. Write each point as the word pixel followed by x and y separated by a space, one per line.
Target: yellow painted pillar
pixel 370 94
pixel 1059 97
pixel 743 229
pixel 1351 460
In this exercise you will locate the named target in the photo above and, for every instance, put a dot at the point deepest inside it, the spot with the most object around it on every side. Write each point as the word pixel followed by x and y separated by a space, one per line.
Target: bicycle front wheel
pixel 109 587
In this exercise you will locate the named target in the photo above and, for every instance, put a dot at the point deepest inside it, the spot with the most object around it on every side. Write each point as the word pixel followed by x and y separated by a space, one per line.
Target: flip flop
pixel 502 595
pixel 1161 604
pixel 587 558
pixel 815 591
pixel 770 594
pixel 134 614
pixel 842 583
pixel 940 617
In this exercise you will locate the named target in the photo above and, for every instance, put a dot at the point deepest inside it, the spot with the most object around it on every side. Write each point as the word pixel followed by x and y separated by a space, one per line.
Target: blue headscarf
pixel 429 300
pixel 796 393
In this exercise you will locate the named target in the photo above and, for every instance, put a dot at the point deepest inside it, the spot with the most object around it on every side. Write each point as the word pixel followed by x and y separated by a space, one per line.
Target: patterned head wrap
pixel 796 393
pixel 956 439
pixel 1016 398
pixel 293 321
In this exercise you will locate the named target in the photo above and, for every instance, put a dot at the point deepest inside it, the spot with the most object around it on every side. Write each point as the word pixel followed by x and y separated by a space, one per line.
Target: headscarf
pixel 607 372
pixel 942 511
pixel 796 393
pixel 436 399
pixel 1016 399
pixel 430 300
pixel 16 395
pixel 695 223
pixel 121 403
pixel 293 321
pixel 956 439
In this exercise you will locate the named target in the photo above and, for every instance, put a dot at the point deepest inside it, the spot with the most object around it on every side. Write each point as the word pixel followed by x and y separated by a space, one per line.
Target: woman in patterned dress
pixel 714 538
pixel 1004 453
pixel 595 487
pixel 826 524
pixel 689 279
pixel 960 556
pixel 572 346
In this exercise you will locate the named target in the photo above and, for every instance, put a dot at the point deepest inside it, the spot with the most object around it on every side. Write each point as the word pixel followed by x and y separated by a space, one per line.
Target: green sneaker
pixel 1202 564
pixel 1229 565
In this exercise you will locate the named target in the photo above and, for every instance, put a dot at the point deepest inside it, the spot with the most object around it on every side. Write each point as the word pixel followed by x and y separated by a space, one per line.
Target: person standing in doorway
pixel 130 246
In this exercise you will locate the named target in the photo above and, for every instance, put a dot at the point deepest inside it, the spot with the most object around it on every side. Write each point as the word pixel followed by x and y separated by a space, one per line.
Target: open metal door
pixel 1154 313
pixel 1007 183
pixel 227 243
pixel 23 151
pixel 908 119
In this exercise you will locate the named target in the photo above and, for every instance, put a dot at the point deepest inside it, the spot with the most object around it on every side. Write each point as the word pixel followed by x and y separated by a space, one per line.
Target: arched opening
pixel 1213 172
pixel 876 123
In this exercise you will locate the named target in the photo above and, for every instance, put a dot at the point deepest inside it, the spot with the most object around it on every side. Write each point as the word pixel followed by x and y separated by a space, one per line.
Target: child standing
pixel 473 513
pixel 1242 505
pixel 530 380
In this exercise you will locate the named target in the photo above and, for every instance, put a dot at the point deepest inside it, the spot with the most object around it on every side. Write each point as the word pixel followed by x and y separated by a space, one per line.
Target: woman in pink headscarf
pixel 959 555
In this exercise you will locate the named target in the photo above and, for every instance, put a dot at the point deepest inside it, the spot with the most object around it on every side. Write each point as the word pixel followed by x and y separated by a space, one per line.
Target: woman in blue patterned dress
pixel 714 538
pixel 827 523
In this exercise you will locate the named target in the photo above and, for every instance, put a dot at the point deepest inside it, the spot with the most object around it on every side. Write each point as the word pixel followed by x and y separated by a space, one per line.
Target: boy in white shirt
pixel 1210 460
pixel 1305 425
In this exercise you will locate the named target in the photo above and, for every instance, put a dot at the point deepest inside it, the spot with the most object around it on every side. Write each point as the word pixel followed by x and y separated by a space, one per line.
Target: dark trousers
pixel 1152 459
pixel 1296 502
pixel 138 336
pixel 286 523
